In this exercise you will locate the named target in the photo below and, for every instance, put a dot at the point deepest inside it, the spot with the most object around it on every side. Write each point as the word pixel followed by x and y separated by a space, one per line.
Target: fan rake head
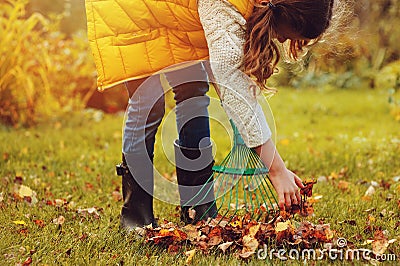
pixel 240 185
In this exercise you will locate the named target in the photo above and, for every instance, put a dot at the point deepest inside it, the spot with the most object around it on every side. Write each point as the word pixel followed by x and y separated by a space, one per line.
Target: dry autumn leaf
pixel 192 213
pixel 246 255
pixel 19 222
pixel 215 237
pixel 307 189
pixel 254 229
pixel 190 255
pixel 39 223
pixel 59 221
pixel 343 185
pixel 25 193
pixel 370 191
pixel 282 226
pixel 222 234
pixel 191 231
pixel 250 244
pixel 116 195
pixel 380 243
pixel 225 246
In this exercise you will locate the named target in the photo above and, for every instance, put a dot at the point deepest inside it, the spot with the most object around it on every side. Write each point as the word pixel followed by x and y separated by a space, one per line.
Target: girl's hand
pixel 285 182
pixel 287 185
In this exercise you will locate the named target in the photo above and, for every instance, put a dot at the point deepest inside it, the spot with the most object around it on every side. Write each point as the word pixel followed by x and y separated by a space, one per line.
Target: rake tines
pixel 241 185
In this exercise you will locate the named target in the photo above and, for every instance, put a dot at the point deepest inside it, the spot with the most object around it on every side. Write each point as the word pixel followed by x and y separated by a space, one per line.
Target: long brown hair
pixel 309 18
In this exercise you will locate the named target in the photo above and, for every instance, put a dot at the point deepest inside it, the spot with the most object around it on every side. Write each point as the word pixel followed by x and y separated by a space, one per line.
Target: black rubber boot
pixel 137 210
pixel 196 188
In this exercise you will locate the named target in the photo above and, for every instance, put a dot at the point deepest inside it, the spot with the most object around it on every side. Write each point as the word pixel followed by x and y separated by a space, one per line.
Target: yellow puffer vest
pixel 132 39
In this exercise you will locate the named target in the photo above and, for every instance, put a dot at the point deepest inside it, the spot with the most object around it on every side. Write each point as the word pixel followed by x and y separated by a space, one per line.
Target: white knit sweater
pixel 224 29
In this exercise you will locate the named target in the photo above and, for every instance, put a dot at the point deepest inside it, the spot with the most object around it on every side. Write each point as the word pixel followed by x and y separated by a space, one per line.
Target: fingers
pixel 288 201
pixel 298 196
pixel 298 181
pixel 288 191
pixel 294 199
pixel 281 202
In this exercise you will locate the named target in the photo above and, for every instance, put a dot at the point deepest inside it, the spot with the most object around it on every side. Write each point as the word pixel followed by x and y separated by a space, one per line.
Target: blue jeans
pixel 146 109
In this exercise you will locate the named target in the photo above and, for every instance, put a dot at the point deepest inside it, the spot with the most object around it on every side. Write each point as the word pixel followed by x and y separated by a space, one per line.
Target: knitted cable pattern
pixel 224 29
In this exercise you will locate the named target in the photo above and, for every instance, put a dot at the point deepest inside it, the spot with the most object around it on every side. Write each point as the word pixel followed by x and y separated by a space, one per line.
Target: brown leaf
pixel 343 185
pixel 191 231
pixel 215 240
pixel 27 262
pixel 307 189
pixel 385 184
pixel 350 222
pixel 173 249
pixel 380 243
pixel 116 195
pixel 202 245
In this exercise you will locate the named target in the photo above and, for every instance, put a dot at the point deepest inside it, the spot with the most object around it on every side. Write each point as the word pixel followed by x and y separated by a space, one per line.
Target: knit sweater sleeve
pixel 224 29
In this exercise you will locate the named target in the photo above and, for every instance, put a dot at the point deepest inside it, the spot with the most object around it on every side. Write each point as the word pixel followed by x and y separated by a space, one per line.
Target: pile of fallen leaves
pixel 243 236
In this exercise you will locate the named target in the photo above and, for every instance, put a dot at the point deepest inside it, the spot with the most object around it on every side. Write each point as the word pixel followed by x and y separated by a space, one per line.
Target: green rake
pixel 241 186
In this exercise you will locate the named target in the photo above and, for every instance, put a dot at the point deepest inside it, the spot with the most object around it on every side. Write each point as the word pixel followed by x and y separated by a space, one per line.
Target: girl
pixel 132 40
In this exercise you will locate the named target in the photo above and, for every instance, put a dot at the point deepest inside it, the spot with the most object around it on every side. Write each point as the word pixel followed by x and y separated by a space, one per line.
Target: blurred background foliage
pixel 46 68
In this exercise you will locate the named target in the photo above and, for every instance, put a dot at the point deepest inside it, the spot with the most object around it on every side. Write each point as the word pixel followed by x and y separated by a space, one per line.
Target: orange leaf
pixel 343 185
pixel 39 223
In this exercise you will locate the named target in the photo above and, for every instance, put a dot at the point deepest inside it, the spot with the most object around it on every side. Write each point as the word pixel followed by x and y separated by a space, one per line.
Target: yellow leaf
pixel 24 150
pixel 282 226
pixel 250 244
pixel 333 175
pixel 25 191
pixel 237 223
pixel 190 255
pixel 285 142
pixel 19 222
pixel 254 229
pixel 329 234
pixel 371 218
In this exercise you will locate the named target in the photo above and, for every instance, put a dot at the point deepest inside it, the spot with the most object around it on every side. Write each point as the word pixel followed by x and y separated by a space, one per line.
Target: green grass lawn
pixel 347 136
